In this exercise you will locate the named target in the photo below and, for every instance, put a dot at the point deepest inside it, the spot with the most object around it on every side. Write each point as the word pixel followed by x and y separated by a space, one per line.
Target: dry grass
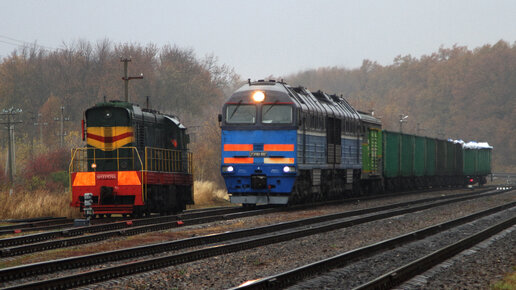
pixel 206 193
pixel 37 203
pixel 509 282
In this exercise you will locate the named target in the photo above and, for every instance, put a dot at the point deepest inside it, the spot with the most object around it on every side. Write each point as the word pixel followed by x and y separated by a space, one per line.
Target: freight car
pixel 136 161
pixel 283 144
pixel 476 161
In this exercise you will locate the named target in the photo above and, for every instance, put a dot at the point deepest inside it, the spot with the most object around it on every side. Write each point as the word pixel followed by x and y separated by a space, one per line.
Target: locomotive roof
pixel 115 103
pixel 312 102
pixel 137 112
pixel 369 118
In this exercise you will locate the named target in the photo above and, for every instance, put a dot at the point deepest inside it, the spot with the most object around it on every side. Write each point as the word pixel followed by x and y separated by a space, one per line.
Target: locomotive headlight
pixel 228 169
pixel 289 169
pixel 258 96
pixel 93 165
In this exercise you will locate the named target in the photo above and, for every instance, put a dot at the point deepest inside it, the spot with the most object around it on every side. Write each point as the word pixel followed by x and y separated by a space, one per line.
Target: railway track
pixel 27 225
pixel 63 238
pixel 76 236
pixel 253 238
pixel 89 234
pixel 21 226
pixel 334 266
pixel 410 270
pixel 60 223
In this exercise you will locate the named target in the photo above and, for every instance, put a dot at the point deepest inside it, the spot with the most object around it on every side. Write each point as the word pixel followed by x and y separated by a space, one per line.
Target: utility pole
pixel 40 124
pixel 10 113
pixel 127 78
pixel 62 119
pixel 403 118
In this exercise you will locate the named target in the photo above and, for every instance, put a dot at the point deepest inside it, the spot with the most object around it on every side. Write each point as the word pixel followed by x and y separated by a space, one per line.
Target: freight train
pixel 136 161
pixel 284 145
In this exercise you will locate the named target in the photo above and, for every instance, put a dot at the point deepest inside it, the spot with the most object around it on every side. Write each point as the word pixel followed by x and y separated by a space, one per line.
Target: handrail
pixel 167 160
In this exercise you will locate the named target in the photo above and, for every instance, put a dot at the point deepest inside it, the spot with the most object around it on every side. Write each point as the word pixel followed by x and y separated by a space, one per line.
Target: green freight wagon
pixel 391 160
pixel 484 161
pixel 430 156
pixel 440 158
pixel 372 154
pixel 476 162
pixel 459 160
pixel 391 153
pixel 449 169
pixel 407 155
pixel 470 161
pixel 398 165
pixel 414 161
pixel 420 153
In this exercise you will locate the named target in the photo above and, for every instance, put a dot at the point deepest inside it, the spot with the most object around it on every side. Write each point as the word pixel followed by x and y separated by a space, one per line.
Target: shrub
pixel 61 178
pixel 48 170
pixel 36 182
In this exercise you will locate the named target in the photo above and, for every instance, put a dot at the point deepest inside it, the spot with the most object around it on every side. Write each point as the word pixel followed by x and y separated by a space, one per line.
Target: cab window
pixel 276 114
pixel 240 114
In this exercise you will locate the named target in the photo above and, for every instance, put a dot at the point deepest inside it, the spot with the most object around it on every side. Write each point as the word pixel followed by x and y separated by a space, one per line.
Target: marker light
pixel 93 165
pixel 289 169
pixel 258 96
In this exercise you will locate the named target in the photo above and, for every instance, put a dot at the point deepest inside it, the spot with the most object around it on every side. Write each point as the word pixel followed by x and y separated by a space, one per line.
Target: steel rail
pixel 293 276
pixel 92 277
pixel 410 270
pixel 114 231
pixel 32 220
pixel 26 239
pixel 38 223
pixel 34 238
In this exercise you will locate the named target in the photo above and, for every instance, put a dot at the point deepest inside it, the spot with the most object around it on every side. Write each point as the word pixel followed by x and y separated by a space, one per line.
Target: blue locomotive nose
pixel 259 166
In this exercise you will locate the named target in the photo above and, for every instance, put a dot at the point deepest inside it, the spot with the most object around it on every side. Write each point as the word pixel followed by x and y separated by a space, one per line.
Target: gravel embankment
pixel 365 270
pixel 477 268
pixel 204 229
pixel 233 269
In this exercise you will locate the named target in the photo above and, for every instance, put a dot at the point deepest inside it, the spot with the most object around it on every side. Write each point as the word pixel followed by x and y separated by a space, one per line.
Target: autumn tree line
pixel 455 92
pixel 40 82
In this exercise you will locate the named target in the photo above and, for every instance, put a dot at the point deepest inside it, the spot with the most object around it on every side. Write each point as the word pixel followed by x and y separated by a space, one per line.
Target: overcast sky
pixel 262 38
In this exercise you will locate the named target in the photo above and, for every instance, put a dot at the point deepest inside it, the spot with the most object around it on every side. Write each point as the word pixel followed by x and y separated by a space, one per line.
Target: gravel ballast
pixel 233 269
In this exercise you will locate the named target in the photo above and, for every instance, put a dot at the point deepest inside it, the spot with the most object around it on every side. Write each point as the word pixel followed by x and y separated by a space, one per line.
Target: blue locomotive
pixel 283 144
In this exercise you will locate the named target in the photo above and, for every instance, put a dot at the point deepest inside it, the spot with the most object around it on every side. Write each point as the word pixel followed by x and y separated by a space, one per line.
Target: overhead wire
pixel 17 42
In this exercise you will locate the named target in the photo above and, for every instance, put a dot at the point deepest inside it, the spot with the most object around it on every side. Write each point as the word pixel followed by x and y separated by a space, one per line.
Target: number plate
pixel 258 154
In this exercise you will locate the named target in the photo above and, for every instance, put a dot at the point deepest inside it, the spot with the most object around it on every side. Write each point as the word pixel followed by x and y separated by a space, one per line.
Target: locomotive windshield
pixel 276 114
pixel 240 114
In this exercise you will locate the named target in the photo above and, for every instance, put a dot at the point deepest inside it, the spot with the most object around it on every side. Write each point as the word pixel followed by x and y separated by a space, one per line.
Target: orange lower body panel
pixel 118 192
